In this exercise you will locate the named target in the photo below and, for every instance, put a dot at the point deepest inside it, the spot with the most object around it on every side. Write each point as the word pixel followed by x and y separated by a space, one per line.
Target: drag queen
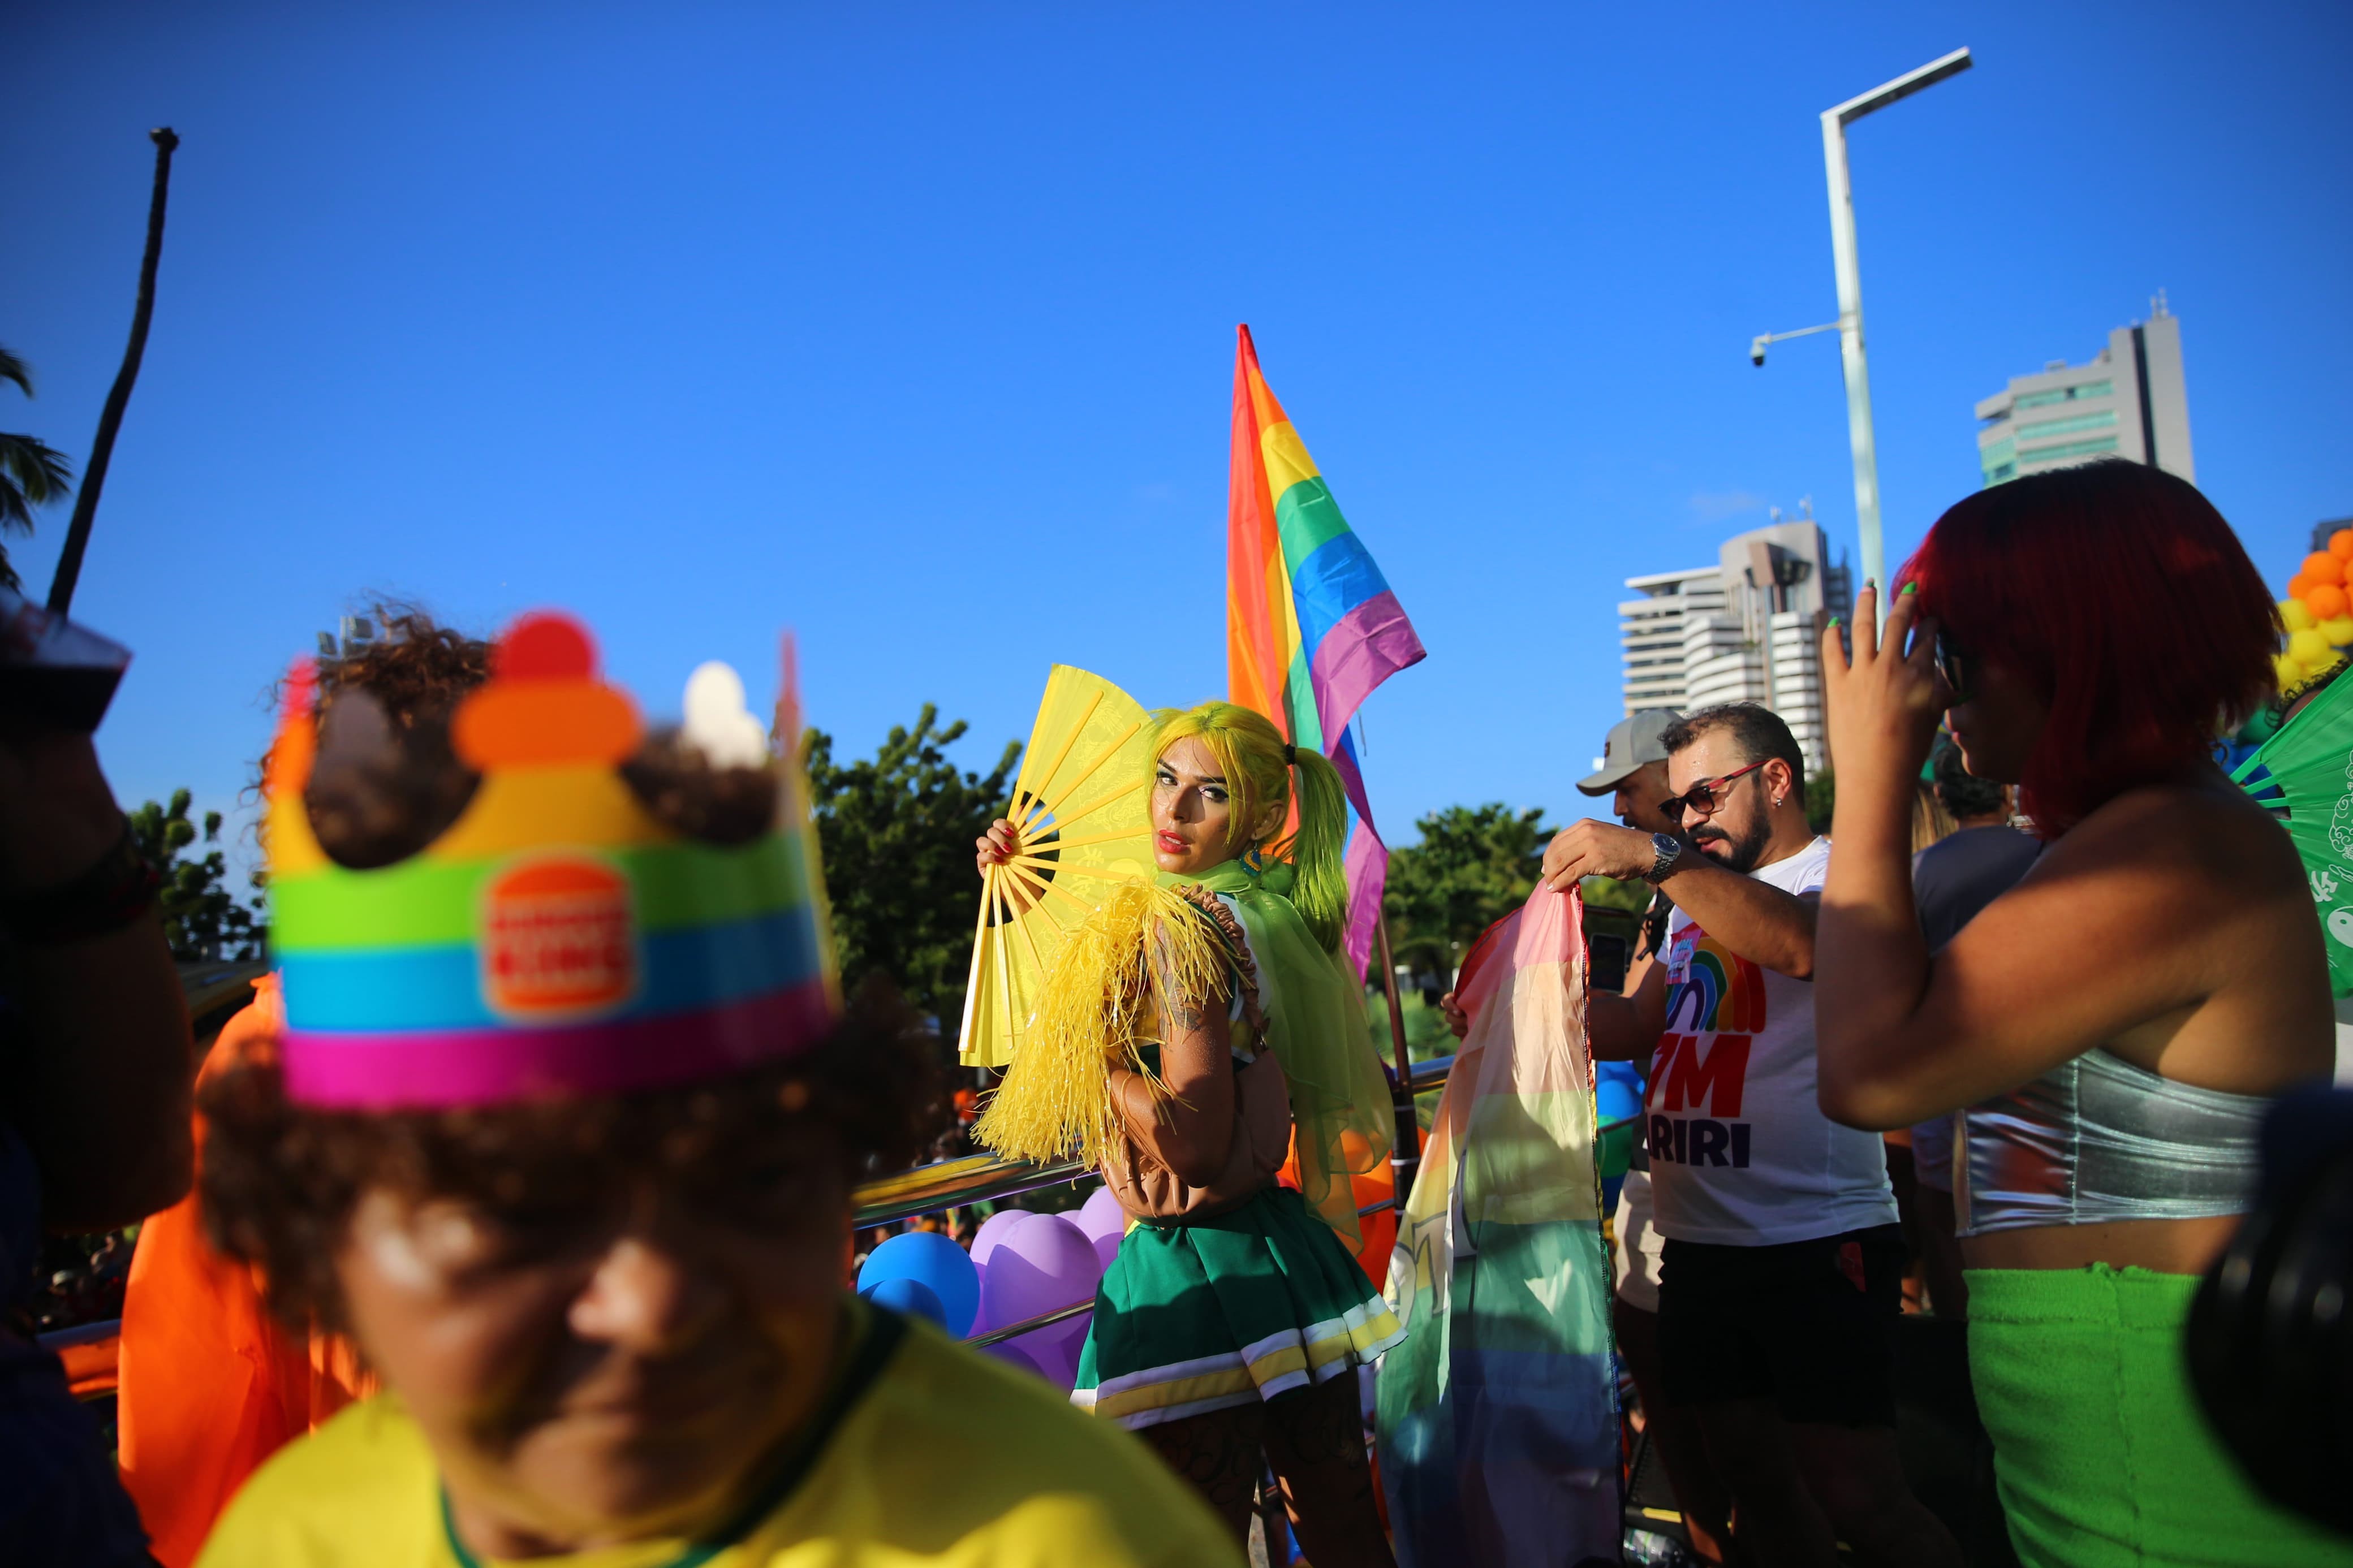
pixel 1188 1031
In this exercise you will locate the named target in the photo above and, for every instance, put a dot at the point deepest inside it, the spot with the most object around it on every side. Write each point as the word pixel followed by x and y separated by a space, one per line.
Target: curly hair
pixel 413 675
pixel 1963 793
pixel 279 1181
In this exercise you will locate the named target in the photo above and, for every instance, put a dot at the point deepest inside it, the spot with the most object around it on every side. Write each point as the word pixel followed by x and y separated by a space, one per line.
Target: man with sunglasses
pixel 1782 1267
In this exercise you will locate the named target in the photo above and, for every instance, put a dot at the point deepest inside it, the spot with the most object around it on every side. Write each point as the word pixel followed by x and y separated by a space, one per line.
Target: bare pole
pixel 1405 1151
pixel 1849 271
pixel 118 398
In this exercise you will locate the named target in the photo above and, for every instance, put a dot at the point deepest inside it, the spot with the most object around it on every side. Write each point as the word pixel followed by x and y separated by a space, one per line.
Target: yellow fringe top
pixel 1101 1004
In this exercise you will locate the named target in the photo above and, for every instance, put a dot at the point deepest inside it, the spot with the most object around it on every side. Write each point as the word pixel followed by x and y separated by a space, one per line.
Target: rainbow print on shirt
pixel 1699 1077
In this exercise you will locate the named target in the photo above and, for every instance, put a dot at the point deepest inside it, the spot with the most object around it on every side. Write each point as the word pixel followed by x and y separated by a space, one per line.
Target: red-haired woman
pixel 2111 1028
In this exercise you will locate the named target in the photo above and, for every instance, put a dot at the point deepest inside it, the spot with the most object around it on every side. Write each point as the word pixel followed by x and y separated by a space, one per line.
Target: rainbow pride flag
pixel 1497 1417
pixel 1310 624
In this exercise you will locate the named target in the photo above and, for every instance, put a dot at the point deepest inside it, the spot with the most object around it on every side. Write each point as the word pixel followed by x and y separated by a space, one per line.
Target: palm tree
pixel 32 472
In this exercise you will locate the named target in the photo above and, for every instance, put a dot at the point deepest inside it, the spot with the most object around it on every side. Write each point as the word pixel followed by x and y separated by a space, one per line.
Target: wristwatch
pixel 1664 849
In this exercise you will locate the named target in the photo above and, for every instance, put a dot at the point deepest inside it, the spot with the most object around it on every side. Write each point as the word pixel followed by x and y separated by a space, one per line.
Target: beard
pixel 1741 853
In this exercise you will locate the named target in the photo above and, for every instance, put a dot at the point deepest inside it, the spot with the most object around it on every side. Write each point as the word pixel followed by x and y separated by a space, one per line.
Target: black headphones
pixel 2270 1341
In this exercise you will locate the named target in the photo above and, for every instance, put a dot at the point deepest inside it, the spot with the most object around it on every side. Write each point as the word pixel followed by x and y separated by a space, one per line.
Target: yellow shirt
pixel 943 1457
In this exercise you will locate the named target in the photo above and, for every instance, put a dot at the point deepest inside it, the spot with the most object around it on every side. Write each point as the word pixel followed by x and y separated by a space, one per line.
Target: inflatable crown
pixel 556 939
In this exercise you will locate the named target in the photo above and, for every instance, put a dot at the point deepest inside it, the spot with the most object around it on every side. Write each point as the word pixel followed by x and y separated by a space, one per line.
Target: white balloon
pixel 717 723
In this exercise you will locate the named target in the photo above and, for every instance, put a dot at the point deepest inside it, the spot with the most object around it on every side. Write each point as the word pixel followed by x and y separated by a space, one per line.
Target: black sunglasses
pixel 1954 666
pixel 1704 797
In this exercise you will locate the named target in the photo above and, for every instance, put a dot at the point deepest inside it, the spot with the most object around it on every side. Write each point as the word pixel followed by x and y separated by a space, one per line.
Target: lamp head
pixel 1756 348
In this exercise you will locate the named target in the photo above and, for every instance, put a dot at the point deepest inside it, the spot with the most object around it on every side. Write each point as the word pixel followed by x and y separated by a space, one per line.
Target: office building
pixel 1746 630
pixel 2128 401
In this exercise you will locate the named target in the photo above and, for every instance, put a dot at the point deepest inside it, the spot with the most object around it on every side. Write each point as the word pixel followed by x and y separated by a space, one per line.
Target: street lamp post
pixel 1849 296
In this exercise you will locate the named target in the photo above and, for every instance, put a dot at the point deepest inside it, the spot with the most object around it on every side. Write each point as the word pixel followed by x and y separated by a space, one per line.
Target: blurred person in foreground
pixel 209 1383
pixel 1952 879
pixel 93 1112
pixel 562 1127
pixel 2117 1022
pixel 1782 1273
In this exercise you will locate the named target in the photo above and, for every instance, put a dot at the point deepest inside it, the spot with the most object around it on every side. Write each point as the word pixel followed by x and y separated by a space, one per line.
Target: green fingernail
pixel 1911 587
pixel 1838 620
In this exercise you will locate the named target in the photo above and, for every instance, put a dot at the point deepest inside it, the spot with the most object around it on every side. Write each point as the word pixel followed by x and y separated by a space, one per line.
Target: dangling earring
pixel 1252 862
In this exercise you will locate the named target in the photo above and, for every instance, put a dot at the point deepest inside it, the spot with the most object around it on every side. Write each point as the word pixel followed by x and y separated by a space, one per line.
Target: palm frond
pixel 32 473
pixel 16 370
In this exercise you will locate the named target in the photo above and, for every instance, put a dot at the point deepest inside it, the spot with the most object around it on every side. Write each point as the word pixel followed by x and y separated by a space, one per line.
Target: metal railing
pixel 980 1178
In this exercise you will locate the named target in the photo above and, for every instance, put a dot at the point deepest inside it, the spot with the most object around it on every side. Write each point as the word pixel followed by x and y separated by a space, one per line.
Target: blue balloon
pixel 1617 1092
pixel 908 1297
pixel 1616 1100
pixel 937 1263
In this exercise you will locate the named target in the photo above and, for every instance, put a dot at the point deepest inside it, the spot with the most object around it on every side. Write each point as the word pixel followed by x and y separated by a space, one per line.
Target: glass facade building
pixel 2128 402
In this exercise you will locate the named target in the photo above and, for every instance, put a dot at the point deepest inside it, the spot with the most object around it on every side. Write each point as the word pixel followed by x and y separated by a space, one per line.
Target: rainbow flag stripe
pixel 1311 624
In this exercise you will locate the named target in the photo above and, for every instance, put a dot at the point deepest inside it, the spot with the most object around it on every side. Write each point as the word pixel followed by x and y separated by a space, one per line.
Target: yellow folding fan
pixel 1082 818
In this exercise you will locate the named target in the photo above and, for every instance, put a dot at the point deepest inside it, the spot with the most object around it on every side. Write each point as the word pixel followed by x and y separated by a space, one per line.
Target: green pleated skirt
pixel 1215 1314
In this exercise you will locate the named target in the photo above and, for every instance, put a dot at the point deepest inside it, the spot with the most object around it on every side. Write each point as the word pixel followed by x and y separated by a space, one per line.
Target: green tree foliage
pixel 32 473
pixel 202 919
pixel 1821 799
pixel 1474 865
pixel 897 834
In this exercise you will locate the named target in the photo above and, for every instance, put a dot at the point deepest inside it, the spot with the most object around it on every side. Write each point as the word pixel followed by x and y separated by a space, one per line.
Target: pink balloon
pixel 1042 1262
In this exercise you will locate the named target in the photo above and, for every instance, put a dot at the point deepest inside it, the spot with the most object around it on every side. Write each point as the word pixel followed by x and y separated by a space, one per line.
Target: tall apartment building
pixel 2129 400
pixel 1746 630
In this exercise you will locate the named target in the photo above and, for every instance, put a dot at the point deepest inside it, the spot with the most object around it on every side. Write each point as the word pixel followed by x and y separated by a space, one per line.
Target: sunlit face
pixel 606 1370
pixel 1736 833
pixel 1193 824
pixel 1636 803
pixel 2000 725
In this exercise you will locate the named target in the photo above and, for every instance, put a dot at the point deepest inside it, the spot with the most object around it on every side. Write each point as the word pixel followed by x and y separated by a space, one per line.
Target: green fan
pixel 2303 774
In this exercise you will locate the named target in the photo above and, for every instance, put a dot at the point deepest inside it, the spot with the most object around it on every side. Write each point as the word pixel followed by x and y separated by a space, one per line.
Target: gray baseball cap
pixel 1633 740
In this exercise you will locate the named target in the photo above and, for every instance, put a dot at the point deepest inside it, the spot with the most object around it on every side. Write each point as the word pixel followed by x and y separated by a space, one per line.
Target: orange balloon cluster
pixel 2318 612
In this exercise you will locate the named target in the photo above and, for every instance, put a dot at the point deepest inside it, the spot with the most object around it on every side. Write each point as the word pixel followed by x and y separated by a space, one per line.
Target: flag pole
pixel 1404 1152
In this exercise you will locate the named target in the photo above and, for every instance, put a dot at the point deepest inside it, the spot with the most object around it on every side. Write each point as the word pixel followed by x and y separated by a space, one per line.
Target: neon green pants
pixel 2101 1454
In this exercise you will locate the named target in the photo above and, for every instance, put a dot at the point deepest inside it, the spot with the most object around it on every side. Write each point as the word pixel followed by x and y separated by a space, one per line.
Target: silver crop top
pixel 2100 1139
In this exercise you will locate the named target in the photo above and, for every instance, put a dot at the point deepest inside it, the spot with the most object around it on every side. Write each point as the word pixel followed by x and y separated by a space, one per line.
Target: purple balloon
pixel 1010 1353
pixel 992 1231
pixel 1105 1224
pixel 1054 1350
pixel 1043 1263
pixel 1101 1215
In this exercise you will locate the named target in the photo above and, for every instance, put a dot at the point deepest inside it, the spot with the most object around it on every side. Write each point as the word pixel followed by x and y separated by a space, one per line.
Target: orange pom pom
pixel 2299 585
pixel 2323 567
pixel 2327 601
pixel 2340 545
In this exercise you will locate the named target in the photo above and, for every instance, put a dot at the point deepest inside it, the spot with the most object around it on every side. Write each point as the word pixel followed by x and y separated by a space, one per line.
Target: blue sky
pixel 911 327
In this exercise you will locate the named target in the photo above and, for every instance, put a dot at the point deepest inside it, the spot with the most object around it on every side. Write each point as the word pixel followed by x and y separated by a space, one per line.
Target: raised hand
pixel 996 847
pixel 1591 849
pixel 1884 701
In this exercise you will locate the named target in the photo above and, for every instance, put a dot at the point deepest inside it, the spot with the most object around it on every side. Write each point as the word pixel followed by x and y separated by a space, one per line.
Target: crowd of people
pixel 523 1201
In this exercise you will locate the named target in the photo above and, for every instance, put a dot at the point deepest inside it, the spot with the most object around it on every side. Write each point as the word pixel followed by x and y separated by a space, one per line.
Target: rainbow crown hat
pixel 556 939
